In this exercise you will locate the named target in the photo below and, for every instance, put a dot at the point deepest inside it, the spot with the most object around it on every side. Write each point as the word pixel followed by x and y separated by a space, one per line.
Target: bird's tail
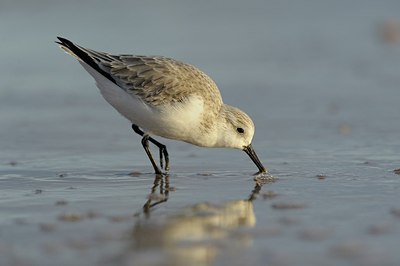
pixel 91 58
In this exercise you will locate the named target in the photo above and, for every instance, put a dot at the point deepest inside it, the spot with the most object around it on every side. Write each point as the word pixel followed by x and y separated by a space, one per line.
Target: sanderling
pixel 168 98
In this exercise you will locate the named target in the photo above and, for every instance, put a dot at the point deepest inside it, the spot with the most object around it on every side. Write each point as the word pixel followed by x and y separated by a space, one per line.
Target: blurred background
pixel 319 78
pixel 287 63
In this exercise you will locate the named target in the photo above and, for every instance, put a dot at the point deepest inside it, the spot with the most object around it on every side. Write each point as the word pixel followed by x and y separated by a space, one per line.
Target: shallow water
pixel 319 81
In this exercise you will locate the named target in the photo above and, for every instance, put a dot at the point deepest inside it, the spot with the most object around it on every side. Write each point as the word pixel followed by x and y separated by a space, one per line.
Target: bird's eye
pixel 240 130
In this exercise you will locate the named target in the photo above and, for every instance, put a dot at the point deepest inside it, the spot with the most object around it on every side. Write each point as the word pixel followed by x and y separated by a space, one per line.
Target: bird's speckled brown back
pixel 157 80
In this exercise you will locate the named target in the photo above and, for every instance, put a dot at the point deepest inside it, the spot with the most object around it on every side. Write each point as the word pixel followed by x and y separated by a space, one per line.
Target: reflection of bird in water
pixel 161 182
pixel 195 234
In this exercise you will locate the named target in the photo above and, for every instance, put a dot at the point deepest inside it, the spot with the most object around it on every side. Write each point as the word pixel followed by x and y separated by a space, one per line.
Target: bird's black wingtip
pixel 63 41
pixel 82 55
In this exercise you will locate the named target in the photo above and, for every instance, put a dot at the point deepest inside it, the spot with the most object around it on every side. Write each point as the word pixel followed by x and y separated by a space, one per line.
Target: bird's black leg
pixel 145 143
pixel 162 148
pixel 163 152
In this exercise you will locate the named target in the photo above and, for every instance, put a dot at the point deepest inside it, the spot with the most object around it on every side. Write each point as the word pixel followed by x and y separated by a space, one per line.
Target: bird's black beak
pixel 253 156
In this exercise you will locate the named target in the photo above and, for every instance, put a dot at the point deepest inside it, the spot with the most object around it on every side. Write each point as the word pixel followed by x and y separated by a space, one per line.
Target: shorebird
pixel 164 97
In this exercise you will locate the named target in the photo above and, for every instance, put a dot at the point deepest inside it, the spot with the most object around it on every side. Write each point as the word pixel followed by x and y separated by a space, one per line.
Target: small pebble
pixel 314 234
pixel 379 229
pixel 21 221
pixel 344 129
pixel 204 174
pixel 92 215
pixel 120 218
pixel 61 202
pixel 47 227
pixel 395 212
pixel 289 221
pixel 287 206
pixel 71 217
pixel 135 173
pixel 390 31
pixel 268 195
pixel 348 250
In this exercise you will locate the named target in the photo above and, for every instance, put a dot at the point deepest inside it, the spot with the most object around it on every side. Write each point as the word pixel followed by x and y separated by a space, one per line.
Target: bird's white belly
pixel 127 105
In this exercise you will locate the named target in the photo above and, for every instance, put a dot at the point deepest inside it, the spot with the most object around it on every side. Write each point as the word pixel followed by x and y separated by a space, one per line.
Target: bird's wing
pixel 156 80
